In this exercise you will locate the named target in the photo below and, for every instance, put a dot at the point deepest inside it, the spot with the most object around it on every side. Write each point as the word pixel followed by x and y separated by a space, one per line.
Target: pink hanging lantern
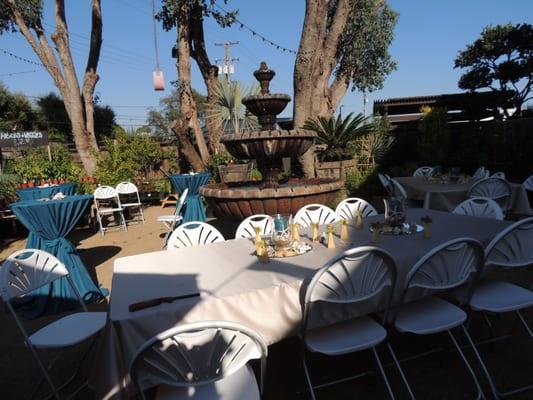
pixel 159 80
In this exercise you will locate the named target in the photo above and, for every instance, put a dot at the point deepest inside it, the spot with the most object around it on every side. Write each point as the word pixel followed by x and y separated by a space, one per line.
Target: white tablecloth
pixel 234 286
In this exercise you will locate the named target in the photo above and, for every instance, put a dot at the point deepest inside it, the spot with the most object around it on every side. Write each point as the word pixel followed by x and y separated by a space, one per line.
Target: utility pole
pixel 227 68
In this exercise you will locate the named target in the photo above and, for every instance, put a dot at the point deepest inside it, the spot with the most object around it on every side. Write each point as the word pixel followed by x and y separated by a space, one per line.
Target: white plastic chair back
pixel 399 190
pixel 446 266
pixel 482 173
pixel 29 269
pixel 512 247
pixel 315 214
pixel 498 175
pixel 385 181
pixel 193 233
pixel 105 193
pixel 528 183
pixel 246 228
pixel 347 209
pixel 181 201
pixel 126 188
pixel 357 275
pixel 496 189
pixel 423 171
pixel 196 354
pixel 480 207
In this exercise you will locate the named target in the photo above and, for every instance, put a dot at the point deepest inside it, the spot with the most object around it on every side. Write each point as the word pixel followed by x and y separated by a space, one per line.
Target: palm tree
pixel 228 109
pixel 336 133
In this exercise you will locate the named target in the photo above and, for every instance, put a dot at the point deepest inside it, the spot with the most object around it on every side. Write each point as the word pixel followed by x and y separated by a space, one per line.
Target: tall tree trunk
pixel 78 103
pixel 189 116
pixel 314 95
pixel 209 74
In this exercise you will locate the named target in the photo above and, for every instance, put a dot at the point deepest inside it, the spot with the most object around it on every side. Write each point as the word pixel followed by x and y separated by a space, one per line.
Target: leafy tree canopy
pixel 161 118
pixel 501 59
pixel 171 10
pixel 363 50
pixel 31 11
pixel 16 112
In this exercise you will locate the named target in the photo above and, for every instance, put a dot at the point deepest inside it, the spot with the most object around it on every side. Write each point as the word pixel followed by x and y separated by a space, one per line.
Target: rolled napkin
pixel 59 196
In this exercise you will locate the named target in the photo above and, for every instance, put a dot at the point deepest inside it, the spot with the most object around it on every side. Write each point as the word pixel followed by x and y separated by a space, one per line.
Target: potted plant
pixel 334 154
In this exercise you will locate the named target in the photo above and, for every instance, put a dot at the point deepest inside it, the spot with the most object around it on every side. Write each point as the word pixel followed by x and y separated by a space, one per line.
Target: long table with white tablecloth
pixel 235 286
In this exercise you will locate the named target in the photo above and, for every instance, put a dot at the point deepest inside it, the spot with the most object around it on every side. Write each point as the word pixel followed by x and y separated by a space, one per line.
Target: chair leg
pixel 123 221
pixel 45 373
pixel 524 323
pixel 400 370
pixel 99 218
pixel 142 213
pixel 467 364
pixel 308 376
pixel 383 375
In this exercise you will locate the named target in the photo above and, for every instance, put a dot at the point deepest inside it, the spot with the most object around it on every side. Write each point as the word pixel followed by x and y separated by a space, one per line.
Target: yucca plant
pixel 336 133
pixel 228 109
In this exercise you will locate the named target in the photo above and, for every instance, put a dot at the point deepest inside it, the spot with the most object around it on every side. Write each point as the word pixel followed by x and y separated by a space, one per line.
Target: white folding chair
pixel 202 360
pixel 445 267
pixel 481 172
pixel 359 275
pixel 131 195
pixel 423 171
pixel 498 175
pixel 171 221
pixel 512 248
pixel 107 202
pixel 315 214
pixel 27 270
pixel 497 189
pixel 528 183
pixel 385 181
pixel 480 207
pixel 246 228
pixel 193 233
pixel 399 190
pixel 348 208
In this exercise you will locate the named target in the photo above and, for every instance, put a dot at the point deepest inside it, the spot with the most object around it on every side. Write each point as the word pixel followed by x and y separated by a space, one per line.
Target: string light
pixel 242 25
pixel 21 58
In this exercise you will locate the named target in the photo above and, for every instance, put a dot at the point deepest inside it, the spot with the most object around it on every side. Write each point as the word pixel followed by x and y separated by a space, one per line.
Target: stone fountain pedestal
pixel 268 146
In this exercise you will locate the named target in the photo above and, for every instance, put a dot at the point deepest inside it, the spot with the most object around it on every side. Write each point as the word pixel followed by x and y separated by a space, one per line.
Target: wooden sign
pixel 23 139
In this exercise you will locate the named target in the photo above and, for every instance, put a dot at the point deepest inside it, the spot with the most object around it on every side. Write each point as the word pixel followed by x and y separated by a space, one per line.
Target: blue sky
pixel 427 38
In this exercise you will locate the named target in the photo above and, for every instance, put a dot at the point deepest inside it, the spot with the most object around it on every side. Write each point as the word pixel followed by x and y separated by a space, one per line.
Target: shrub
pixel 8 189
pixel 222 158
pixel 36 165
pixel 434 141
pixel 128 157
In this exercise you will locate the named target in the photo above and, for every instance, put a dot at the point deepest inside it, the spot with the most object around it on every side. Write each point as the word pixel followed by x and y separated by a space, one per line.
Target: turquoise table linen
pixel 49 223
pixel 194 207
pixel 36 193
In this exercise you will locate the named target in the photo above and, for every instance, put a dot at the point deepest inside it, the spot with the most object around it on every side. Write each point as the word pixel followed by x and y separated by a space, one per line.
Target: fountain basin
pixel 240 202
pixel 268 144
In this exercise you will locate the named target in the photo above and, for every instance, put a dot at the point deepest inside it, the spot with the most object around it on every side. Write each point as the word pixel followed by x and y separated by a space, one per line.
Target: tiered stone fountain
pixel 268 146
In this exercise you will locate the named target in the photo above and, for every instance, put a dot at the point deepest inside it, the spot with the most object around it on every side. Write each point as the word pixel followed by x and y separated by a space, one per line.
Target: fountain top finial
pixel 264 75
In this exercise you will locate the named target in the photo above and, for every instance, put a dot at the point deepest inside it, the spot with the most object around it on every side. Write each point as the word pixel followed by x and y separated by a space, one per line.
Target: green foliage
pixel 8 188
pixel 161 118
pixel 53 116
pixel 221 158
pixel 31 11
pixel 15 111
pixel 373 147
pixel 501 59
pixel 336 134
pixel 434 140
pixel 363 52
pixel 228 109
pixel 36 165
pixel 174 10
pixel 128 157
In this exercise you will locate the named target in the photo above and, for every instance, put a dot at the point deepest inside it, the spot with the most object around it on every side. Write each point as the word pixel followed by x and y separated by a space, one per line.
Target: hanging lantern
pixel 159 80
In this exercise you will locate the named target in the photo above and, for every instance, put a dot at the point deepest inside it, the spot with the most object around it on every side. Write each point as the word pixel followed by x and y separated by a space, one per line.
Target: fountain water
pixel 268 146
